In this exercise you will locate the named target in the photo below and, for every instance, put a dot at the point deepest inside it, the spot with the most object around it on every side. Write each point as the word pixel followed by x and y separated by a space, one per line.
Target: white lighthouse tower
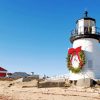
pixel 86 36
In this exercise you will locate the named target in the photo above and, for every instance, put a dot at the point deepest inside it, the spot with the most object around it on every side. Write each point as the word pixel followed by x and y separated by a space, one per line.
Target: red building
pixel 3 72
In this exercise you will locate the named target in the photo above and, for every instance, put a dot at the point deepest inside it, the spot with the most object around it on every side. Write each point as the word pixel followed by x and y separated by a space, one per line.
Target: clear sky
pixel 34 34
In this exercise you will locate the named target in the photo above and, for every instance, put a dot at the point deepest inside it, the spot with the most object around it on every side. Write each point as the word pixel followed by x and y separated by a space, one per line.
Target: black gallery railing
pixel 87 30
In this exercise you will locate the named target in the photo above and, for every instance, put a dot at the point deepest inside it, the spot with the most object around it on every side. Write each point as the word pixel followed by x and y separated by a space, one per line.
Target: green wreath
pixel 69 64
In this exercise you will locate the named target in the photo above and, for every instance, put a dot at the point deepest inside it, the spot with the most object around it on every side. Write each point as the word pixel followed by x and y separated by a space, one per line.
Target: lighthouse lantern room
pixel 83 58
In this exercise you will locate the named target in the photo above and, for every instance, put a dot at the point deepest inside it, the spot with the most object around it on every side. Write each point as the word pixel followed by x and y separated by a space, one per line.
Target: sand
pixel 17 90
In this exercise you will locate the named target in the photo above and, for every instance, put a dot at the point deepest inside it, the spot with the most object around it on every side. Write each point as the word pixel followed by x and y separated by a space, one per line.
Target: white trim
pixel 3 71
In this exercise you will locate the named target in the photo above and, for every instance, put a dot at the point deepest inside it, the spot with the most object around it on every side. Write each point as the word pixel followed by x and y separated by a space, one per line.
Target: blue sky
pixel 34 34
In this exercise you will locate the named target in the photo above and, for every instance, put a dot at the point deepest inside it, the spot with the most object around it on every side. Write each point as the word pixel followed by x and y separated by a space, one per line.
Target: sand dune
pixel 17 90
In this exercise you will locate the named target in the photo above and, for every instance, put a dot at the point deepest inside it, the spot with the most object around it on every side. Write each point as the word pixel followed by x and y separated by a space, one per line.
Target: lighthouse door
pixel 90 64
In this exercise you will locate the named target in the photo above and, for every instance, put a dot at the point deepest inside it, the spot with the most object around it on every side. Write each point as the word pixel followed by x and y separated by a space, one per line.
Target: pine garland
pixel 69 63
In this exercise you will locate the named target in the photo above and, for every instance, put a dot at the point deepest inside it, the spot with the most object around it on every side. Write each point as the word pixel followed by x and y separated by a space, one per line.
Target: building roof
pixel 2 69
pixel 19 74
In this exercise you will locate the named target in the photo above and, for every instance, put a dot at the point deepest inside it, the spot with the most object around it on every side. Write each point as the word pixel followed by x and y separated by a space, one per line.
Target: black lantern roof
pixel 86 17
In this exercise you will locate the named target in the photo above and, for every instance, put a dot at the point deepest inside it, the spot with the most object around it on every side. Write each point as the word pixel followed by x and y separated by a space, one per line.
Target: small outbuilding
pixel 3 72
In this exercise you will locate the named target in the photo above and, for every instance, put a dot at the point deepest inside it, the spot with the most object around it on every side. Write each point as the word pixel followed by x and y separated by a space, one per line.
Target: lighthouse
pixel 83 59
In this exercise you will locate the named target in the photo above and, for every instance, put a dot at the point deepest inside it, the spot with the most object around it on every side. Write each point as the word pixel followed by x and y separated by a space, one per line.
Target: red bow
pixel 75 51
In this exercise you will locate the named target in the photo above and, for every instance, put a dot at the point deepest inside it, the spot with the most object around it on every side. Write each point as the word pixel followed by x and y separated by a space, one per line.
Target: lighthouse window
pixel 90 64
pixel 85 30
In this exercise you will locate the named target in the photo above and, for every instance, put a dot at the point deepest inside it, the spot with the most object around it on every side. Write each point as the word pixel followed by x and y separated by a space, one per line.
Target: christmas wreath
pixel 81 57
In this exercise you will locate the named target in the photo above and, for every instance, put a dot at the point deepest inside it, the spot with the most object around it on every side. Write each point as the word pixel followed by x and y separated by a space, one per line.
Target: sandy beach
pixel 17 90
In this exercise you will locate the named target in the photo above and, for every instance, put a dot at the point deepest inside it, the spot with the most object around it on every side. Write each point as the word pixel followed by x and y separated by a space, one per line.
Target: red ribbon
pixel 75 51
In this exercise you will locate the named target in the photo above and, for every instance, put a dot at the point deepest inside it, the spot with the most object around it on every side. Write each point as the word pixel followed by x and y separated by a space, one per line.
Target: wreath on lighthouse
pixel 76 59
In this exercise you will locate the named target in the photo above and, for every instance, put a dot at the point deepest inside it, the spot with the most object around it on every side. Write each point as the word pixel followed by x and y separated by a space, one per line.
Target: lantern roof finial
pixel 86 14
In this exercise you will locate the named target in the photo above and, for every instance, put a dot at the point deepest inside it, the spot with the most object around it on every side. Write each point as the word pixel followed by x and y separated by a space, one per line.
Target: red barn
pixel 3 72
